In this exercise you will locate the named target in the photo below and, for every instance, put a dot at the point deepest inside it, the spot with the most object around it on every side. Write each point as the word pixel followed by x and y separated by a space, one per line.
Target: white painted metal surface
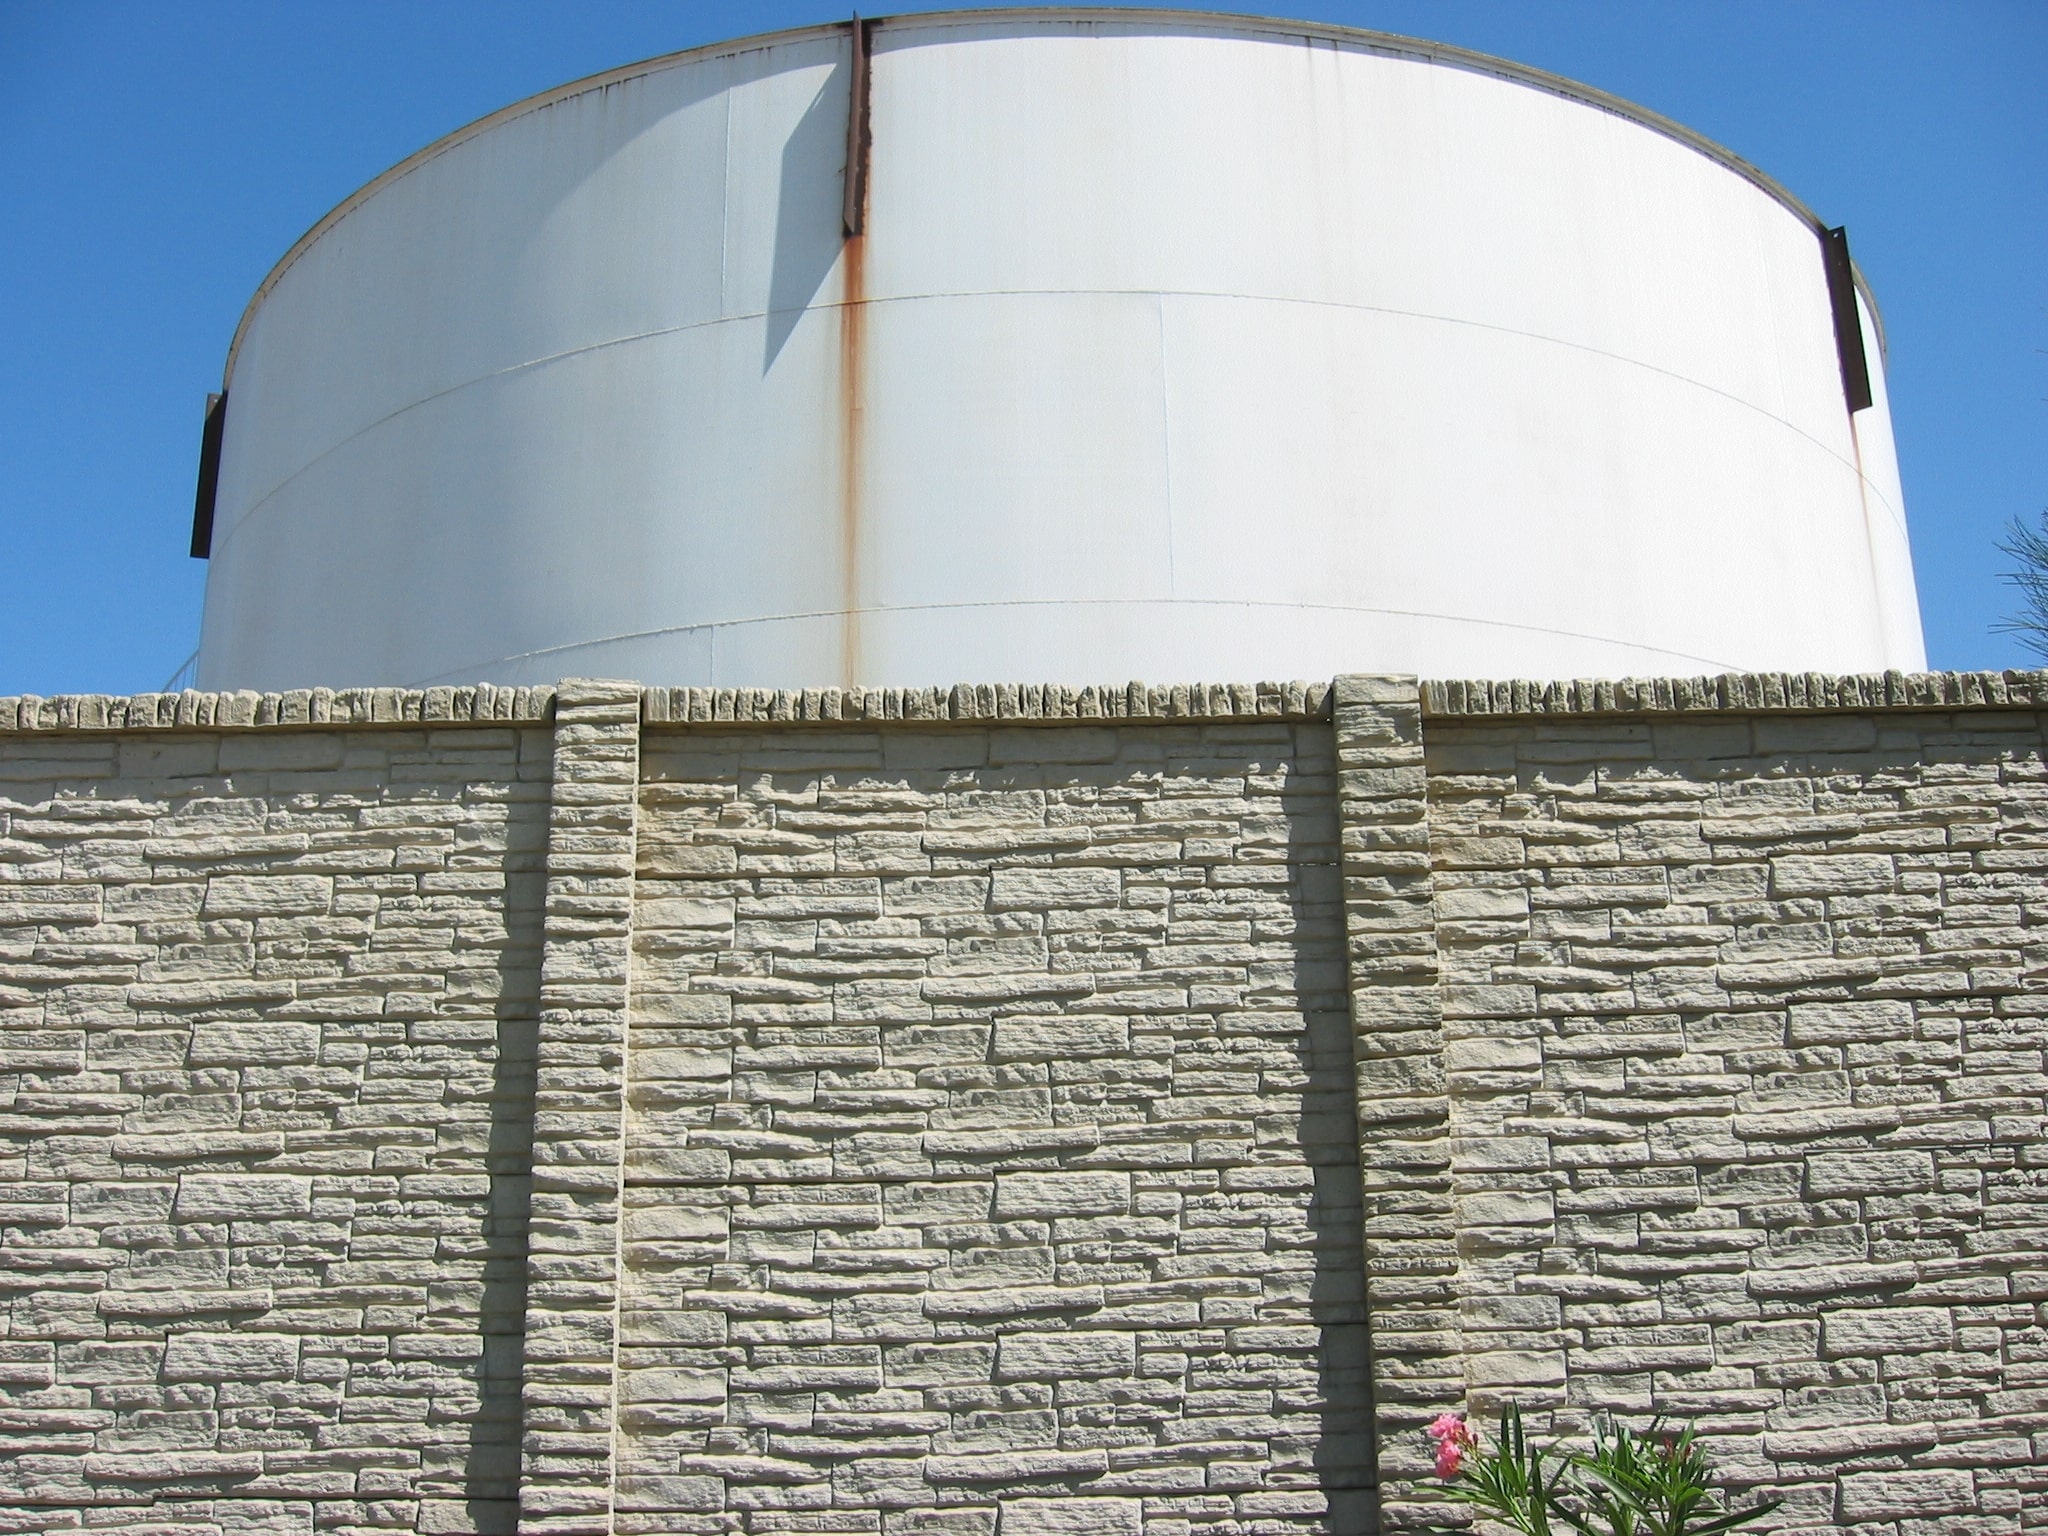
pixel 1175 346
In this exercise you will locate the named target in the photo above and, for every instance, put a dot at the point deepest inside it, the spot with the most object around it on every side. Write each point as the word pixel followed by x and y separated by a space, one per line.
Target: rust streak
pixel 853 302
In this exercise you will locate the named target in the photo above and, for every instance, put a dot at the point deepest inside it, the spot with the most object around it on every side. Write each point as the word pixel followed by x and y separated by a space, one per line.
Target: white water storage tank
pixel 1170 346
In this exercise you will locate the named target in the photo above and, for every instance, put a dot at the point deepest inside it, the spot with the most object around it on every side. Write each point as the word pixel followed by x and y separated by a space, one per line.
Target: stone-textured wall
pixel 1015 1111
pixel 991 1135
pixel 1745 1031
pixel 266 1028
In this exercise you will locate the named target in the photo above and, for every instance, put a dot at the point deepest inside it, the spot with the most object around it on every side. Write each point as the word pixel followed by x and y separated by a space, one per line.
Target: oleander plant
pixel 1656 1483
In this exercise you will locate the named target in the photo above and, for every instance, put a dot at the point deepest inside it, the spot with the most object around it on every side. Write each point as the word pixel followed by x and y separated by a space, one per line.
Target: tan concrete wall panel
pixel 1745 1034
pixel 266 1035
pixel 990 1148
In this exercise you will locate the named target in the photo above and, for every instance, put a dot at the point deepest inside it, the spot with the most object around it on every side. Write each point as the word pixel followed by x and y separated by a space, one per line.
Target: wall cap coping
pixel 482 704
pixel 1027 703
pixel 1738 693
pixel 487 704
pixel 1021 703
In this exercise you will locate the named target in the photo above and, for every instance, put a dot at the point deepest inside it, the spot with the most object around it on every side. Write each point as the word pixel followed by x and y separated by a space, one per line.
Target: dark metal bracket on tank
pixel 1834 249
pixel 209 476
pixel 854 201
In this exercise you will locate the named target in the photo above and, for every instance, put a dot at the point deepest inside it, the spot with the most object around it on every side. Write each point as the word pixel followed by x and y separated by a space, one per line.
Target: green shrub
pixel 1651 1484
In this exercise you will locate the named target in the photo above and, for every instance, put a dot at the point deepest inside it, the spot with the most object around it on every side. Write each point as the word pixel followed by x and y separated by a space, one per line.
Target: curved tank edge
pixel 1449 54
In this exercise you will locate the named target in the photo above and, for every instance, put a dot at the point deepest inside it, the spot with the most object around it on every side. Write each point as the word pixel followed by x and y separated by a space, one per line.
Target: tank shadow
pixel 808 235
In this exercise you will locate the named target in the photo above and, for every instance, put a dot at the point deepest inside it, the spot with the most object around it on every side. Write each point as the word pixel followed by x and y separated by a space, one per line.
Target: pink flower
pixel 1449 1426
pixel 1453 1437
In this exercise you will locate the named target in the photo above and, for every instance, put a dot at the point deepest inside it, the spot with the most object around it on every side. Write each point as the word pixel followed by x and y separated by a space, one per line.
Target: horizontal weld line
pixel 467 668
pixel 225 536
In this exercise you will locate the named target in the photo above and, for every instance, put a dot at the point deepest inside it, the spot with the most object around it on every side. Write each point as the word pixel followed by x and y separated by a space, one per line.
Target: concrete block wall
pixel 990 1150
pixel 1744 1028
pixel 1014 1111
pixel 267 1014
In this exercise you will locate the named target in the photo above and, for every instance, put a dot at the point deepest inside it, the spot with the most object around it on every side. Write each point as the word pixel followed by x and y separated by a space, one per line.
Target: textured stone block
pixel 1879 1332
pixel 1077 1516
pixel 1063 1356
pixel 1908 1495
pixel 276 1517
pixel 1006 1468
pixel 267 895
pixel 1844 1023
pixel 1845 874
pixel 1064 1038
pixel 247 1357
pixel 673 1386
pixel 236 1045
pixel 1061 1194
pixel 1054 888
pixel 172 1466
pixel 242 1196
pixel 1858 1174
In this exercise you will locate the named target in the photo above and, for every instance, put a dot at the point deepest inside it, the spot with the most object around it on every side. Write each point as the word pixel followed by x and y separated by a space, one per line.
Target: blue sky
pixel 156 159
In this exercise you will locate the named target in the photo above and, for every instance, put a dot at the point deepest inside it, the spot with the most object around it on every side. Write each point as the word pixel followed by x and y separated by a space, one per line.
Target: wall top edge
pixel 1736 693
pixel 1025 703
pixel 487 704
pixel 482 704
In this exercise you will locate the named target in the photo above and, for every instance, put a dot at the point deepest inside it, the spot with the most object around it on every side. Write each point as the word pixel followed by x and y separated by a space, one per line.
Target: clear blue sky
pixel 156 159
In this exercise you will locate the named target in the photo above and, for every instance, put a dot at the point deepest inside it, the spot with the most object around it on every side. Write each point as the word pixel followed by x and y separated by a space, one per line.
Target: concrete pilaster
pixel 569 1394
pixel 1411 1257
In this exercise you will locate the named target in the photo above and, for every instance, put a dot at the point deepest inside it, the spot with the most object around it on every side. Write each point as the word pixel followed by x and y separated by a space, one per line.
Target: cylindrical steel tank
pixel 1169 346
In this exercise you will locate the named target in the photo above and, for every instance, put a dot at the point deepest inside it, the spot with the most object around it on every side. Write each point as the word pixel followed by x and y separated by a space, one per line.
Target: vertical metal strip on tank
pixel 209 476
pixel 853 206
pixel 1834 245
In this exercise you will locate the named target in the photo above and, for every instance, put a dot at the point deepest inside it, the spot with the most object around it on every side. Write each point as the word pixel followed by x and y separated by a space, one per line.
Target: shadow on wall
pixel 491 1465
pixel 1345 1461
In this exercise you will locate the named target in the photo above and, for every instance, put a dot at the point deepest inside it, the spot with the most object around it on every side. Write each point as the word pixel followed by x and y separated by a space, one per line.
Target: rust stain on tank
pixel 852 367
pixel 853 301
